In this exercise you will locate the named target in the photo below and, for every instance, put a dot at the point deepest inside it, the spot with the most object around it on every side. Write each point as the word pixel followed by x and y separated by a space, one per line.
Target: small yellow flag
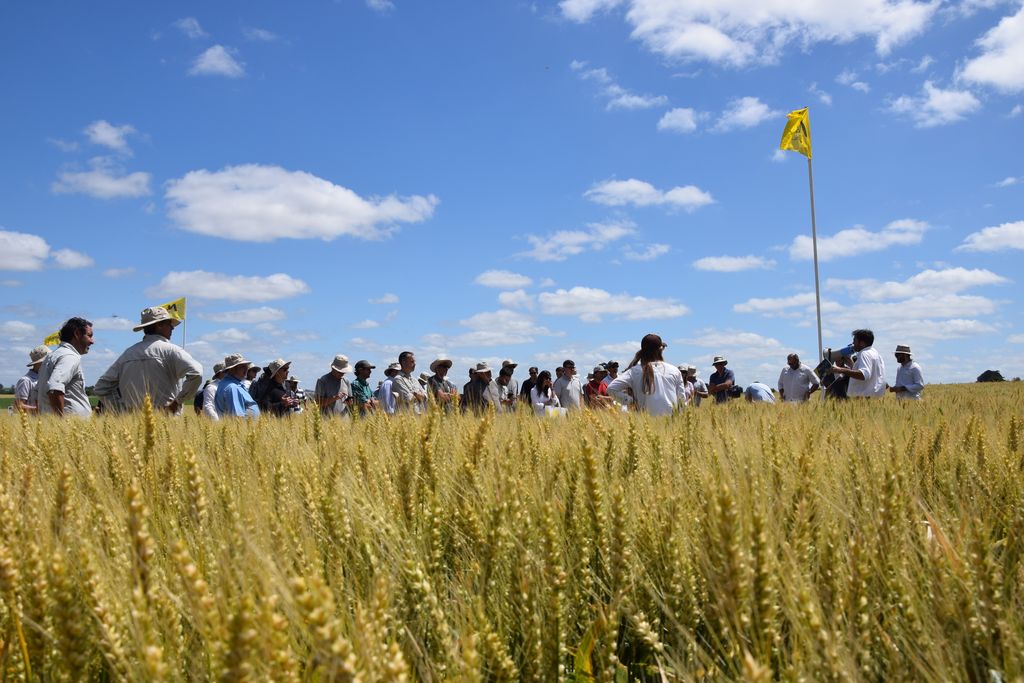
pixel 176 308
pixel 52 340
pixel 797 133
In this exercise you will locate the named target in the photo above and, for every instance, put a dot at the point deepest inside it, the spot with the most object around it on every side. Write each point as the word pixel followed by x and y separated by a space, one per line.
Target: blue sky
pixel 535 181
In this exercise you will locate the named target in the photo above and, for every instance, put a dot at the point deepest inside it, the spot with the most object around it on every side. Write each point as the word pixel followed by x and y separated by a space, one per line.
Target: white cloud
pixel 858 240
pixel 385 299
pixel 217 61
pixel 106 180
pixel 592 305
pixel 849 78
pixel 923 65
pixel 204 285
pixel 22 251
pixel 262 314
pixel 740 32
pixel 367 324
pixel 108 135
pixel 1015 339
pixel 70 259
pixel 516 299
pixel 641 193
pixel 745 112
pixel 229 335
pixel 779 156
pixel 617 96
pixel 732 339
pixel 113 324
pixel 649 253
pixel 1008 181
pixel 679 120
pixel 381 6
pixel 119 272
pixel 822 96
pixel 15 329
pixel 259 34
pixel 562 244
pixel 995 238
pixel 255 203
pixel 935 106
pixel 493 328
pixel 190 27
pixel 733 264
pixel 503 279
pixel 1017 110
pixel 947 281
pixel 1001 62
pixel 770 306
pixel 64 145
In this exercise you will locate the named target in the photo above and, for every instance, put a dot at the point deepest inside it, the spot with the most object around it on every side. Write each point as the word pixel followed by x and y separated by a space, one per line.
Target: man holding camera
pixel 867 376
pixel 333 392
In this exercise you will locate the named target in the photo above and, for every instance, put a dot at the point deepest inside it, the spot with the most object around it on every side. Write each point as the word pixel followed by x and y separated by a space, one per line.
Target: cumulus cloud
pixel 255 203
pixel 648 253
pixel 593 305
pixel 641 193
pixel 113 324
pixel 217 61
pixel 516 299
pixel 733 264
pixel 22 251
pixel 858 240
pixel 995 238
pixel 261 314
pixel 106 180
pixel 679 120
pixel 16 329
pixel 229 335
pixel 367 324
pixel 948 281
pixel 493 328
pixel 1001 62
pixel 935 106
pixel 770 306
pixel 190 27
pixel 259 34
pixel 562 244
pixel 1016 339
pixel 204 285
pixel 119 272
pixel 740 32
pixel 385 299
pixel 849 78
pixel 503 279
pixel 744 112
pixel 106 134
pixel 70 259
pixel 616 96
pixel 1008 181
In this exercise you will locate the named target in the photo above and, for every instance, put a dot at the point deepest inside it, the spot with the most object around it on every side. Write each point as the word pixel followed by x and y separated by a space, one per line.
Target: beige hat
pixel 509 364
pixel 394 367
pixel 154 315
pixel 482 367
pixel 424 377
pixel 218 367
pixel 37 354
pixel 293 379
pixel 903 348
pixel 234 360
pixel 441 361
pixel 719 359
pixel 341 364
pixel 276 364
pixel 691 369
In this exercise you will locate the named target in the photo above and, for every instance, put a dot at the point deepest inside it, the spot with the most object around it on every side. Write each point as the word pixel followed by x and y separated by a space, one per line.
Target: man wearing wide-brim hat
pixel 153 366
pixel 232 398
pixel 333 392
pixel 385 393
pixel 721 379
pixel 442 389
pixel 25 388
pixel 909 379
pixel 482 393
pixel 210 392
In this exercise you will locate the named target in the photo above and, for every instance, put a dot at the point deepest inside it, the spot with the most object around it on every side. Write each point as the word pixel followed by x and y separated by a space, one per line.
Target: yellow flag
pixel 176 308
pixel 52 340
pixel 797 133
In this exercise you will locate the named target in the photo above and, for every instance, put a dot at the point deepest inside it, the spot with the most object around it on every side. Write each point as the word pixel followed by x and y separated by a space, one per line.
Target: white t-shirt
pixel 796 385
pixel 540 402
pixel 870 363
pixel 668 388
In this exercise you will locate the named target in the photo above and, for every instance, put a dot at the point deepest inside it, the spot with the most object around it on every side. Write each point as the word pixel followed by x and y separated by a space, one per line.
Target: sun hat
pixel 275 365
pixel 37 354
pixel 903 348
pixel 341 364
pixel 507 363
pixel 218 367
pixel 424 377
pixel 394 367
pixel 154 315
pixel 439 362
pixel 720 359
pixel 691 369
pixel 611 364
pixel 360 364
pixel 293 379
pixel 234 360
pixel 482 367
pixel 598 368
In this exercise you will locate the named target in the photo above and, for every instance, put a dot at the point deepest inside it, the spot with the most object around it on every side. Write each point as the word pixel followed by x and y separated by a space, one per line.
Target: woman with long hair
pixel 542 395
pixel 653 385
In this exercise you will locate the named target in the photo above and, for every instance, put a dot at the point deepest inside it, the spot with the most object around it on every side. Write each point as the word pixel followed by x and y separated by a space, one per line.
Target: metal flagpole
pixel 814 241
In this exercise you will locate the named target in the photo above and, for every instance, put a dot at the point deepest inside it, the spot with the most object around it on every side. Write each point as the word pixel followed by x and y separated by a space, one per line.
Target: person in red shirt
pixel 595 392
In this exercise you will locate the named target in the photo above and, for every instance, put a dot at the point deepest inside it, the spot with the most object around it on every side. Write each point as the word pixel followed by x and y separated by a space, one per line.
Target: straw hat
pixel 507 363
pixel 234 360
pixel 903 348
pixel 341 364
pixel 482 367
pixel 154 315
pixel 720 359
pixel 441 361
pixel 218 367
pixel 276 365
pixel 393 368
pixel 37 354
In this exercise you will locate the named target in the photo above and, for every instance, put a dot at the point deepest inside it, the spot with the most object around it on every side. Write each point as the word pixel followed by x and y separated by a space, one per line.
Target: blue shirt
pixel 719 378
pixel 908 375
pixel 759 393
pixel 387 397
pixel 232 399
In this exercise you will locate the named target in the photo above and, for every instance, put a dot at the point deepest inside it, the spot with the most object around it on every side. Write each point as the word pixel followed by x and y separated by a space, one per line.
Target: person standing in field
pixel 655 387
pixel 612 370
pixel 409 395
pixel 721 380
pixel 482 392
pixel 568 387
pixel 542 394
pixel 60 389
pixel 595 391
pixel 209 393
pixel 154 367
pixel 25 388
pixel 250 377
pixel 513 385
pixel 385 392
pixel 867 376
pixel 362 394
pixel 333 390
pixel 700 390
pixel 797 381
pixel 506 390
pixel 232 398
pixel 528 383
pixel 275 399
pixel 909 380
pixel 299 395
pixel 441 388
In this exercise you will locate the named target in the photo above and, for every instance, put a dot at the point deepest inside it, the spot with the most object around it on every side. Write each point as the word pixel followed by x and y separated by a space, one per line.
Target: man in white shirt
pixel 867 376
pixel 909 380
pixel 797 381
pixel 61 386
pixel 210 393
pixel 25 389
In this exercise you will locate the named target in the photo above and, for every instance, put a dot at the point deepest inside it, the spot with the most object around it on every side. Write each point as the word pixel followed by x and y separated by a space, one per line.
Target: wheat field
pixel 852 541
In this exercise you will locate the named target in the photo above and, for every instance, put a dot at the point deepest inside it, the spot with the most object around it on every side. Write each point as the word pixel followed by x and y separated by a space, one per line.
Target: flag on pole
pixel 797 133
pixel 176 308
pixel 52 340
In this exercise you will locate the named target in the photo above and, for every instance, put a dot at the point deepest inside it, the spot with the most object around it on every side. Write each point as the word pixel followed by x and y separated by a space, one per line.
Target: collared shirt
pixel 233 399
pixel 361 391
pixel 908 375
pixel 721 378
pixel 698 388
pixel 62 371
pixel 387 396
pixel 405 387
pixel 796 385
pixel 594 388
pixel 666 393
pixel 327 386
pixel 480 395
pixel 152 366
pixel 870 363
pixel 209 396
pixel 569 391
pixel 436 384
pixel 25 389
pixel 524 391
pixel 759 393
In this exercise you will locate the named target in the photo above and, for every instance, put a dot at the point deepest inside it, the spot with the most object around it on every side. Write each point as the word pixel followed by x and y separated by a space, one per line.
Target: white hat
pixel 276 364
pixel 341 364
pixel 234 360
pixel 903 348
pixel 154 315
pixel 441 361
pixel 719 359
pixel 37 354
pixel 394 367
pixel 509 364
pixel 482 367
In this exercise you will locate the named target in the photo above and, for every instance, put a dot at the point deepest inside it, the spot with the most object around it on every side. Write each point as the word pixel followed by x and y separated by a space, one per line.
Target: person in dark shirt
pixel 275 397
pixel 721 380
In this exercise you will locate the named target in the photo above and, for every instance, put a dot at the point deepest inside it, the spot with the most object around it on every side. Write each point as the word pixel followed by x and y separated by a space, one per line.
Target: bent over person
pixel 153 366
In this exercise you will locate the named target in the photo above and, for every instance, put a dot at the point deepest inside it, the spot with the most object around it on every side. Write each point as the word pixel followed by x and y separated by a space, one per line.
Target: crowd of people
pixel 171 378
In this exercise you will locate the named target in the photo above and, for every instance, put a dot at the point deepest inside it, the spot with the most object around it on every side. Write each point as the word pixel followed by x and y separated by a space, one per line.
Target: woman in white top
pixel 656 386
pixel 542 396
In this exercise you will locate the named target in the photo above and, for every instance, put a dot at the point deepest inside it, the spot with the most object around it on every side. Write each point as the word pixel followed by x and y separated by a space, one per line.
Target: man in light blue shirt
pixel 385 395
pixel 909 380
pixel 757 392
pixel 232 399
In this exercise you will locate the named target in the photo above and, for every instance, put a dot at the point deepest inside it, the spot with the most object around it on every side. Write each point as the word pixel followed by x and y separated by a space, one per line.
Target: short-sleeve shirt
pixel 759 393
pixel 871 365
pixel 62 371
pixel 796 384
pixel 25 389
pixel 328 385
pixel 569 391
pixel 720 378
